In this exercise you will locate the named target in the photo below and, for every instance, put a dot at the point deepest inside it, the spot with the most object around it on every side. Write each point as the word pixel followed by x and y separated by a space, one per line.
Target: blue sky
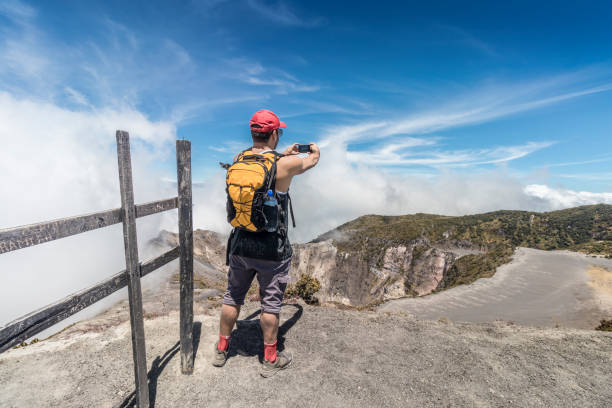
pixel 408 88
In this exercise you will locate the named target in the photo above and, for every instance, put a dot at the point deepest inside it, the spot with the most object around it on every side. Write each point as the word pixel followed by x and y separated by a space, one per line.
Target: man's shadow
pixel 247 338
pixel 158 366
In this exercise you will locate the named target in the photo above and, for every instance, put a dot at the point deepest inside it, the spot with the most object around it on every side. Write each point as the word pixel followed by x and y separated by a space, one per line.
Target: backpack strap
pixel 228 249
pixel 272 184
pixel 239 155
pixel 291 209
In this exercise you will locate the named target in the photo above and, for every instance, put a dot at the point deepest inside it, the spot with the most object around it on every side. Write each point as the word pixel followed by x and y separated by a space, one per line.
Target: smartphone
pixel 304 148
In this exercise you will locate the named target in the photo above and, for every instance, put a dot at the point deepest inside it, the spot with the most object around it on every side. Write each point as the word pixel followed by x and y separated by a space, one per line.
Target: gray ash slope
pixel 342 358
pixel 537 288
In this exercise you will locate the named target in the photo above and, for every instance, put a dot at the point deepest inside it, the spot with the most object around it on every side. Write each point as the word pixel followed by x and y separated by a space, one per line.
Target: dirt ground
pixel 600 279
pixel 342 359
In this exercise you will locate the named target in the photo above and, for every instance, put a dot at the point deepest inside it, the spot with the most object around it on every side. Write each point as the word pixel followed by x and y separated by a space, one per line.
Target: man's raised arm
pixel 297 165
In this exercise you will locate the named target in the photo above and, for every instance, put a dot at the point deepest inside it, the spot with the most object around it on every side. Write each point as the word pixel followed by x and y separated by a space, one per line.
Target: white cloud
pixel 16 9
pixel 482 106
pixel 312 107
pixel 253 73
pixel 562 198
pixel 403 154
pixel 280 12
pixel 56 163
pixel 400 140
pixel 282 85
pixel 124 70
pixel 228 147
pixel 338 190
pixel 206 5
pixel 607 158
pixel 461 36
pixel 77 97
pixel 350 182
pixel 602 176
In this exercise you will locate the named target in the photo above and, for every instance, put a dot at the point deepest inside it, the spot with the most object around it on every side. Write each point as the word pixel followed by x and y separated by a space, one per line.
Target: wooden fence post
pixel 128 213
pixel 185 218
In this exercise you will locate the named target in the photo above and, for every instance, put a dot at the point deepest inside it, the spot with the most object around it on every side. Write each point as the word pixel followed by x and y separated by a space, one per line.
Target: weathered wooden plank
pixel 12 239
pixel 183 161
pixel 142 210
pixel 33 323
pixel 25 236
pixel 128 213
pixel 156 263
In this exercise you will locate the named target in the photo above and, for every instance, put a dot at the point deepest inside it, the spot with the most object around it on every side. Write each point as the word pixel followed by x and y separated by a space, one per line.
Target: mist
pixel 338 190
pixel 58 163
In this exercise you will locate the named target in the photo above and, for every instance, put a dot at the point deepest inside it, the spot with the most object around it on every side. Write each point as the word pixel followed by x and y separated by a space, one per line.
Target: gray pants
pixel 273 277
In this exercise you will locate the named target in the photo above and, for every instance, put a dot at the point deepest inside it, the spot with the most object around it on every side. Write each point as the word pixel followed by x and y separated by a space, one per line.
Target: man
pixel 265 254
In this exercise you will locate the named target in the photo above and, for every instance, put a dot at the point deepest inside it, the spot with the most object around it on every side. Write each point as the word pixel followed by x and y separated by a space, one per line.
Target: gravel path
pixel 539 288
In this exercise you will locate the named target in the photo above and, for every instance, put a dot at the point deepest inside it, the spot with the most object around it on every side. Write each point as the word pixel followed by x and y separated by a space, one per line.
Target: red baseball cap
pixel 267 121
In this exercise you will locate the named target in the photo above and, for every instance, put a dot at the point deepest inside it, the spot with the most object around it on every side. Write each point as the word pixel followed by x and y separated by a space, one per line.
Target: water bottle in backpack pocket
pixel 270 210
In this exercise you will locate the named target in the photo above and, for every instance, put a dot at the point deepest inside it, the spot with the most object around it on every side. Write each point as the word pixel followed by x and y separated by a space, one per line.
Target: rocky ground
pixel 342 358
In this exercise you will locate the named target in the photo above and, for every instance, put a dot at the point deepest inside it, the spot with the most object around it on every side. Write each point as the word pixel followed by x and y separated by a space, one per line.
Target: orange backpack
pixel 247 182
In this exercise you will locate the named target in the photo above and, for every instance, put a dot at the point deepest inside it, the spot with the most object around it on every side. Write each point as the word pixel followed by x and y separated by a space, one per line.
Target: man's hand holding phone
pixel 302 163
pixel 303 148
pixel 297 148
pixel 314 149
pixel 291 150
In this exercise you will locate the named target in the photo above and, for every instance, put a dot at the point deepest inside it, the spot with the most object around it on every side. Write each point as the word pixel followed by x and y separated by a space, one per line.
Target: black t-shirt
pixel 273 246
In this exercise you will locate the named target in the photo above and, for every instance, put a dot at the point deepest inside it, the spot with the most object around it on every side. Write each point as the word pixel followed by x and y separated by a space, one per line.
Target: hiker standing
pixel 258 208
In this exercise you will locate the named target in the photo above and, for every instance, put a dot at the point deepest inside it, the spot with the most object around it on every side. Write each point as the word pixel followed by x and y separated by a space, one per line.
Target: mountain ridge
pixel 458 250
pixel 375 258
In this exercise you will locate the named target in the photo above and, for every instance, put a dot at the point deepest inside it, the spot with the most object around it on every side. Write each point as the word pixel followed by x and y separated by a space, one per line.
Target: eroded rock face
pixel 319 260
pixel 428 270
pixel 413 270
pixel 208 246
pixel 350 278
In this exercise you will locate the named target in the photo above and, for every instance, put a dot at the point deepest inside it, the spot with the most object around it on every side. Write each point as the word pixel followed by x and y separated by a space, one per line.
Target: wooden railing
pixel 22 237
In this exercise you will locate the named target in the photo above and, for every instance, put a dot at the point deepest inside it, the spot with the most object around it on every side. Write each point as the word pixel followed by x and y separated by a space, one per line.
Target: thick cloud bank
pixel 57 163
pixel 557 199
pixel 338 190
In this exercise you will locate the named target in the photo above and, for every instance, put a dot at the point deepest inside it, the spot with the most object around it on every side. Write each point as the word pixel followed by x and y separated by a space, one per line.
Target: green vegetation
pixel 471 267
pixel 569 229
pixel 597 247
pixel 24 344
pixel 587 229
pixel 305 288
pixel 605 325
